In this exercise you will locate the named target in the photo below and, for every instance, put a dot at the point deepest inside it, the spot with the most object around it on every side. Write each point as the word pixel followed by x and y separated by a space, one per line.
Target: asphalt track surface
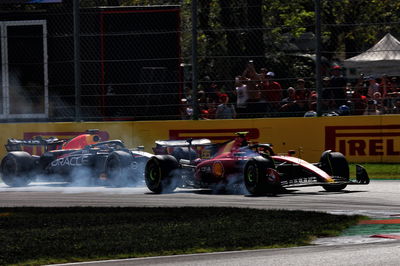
pixel 379 199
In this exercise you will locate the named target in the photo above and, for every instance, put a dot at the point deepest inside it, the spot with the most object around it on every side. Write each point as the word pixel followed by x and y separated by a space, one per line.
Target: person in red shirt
pixel 302 96
pixel 302 93
pixel 358 99
pixel 271 92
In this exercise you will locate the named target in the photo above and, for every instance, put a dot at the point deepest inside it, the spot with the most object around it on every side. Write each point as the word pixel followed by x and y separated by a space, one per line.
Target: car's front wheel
pixel 336 165
pixel 260 176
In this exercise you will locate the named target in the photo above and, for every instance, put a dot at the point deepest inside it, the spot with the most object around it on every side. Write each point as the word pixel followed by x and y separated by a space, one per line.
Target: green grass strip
pixel 379 170
pixel 36 236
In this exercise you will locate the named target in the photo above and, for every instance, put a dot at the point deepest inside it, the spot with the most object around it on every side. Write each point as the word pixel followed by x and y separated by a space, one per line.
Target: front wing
pixel 361 179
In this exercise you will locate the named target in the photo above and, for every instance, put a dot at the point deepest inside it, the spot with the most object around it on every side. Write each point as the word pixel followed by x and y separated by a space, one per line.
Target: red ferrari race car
pixel 84 160
pixel 201 164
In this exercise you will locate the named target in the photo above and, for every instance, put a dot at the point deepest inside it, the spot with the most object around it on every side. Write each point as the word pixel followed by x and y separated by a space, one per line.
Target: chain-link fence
pixel 252 58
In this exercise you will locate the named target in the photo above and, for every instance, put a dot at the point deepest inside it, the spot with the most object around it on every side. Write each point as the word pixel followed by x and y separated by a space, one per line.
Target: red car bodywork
pixel 209 164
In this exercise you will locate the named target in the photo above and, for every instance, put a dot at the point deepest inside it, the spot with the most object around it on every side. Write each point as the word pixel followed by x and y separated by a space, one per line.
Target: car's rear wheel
pixel 335 164
pixel 118 169
pixel 260 176
pixel 17 168
pixel 160 174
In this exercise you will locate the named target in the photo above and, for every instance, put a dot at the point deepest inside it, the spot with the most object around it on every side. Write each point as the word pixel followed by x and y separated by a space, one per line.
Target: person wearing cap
pixel 225 110
pixel 271 91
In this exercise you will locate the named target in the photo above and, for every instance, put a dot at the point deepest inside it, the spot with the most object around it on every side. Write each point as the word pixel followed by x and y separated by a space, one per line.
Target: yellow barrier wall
pixel 361 138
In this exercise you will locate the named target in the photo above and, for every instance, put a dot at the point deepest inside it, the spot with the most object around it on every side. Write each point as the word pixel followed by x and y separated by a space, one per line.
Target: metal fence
pixel 136 60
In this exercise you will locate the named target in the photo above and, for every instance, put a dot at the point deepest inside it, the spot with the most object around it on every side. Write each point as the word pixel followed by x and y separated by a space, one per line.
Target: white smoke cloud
pixel 81 179
pixel 20 101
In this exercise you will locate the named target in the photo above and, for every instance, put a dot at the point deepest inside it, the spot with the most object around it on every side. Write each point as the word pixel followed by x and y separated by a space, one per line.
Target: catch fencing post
pixel 194 61
pixel 77 66
pixel 318 78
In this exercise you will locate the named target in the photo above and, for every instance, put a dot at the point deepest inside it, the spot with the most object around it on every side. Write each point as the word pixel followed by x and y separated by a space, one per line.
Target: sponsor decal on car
pixel 71 161
pixel 218 169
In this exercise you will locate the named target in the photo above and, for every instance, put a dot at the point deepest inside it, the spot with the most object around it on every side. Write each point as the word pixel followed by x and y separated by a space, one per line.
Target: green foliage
pixel 229 33
pixel 45 235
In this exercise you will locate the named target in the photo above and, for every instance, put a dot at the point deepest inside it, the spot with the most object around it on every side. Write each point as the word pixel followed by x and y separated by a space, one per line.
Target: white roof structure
pixel 382 58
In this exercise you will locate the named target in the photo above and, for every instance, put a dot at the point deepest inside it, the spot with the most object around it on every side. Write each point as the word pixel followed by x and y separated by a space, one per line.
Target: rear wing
pixel 183 143
pixel 18 144
pixel 167 146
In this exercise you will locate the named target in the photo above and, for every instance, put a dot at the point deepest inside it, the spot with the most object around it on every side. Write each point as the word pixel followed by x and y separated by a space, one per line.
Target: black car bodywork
pixel 84 159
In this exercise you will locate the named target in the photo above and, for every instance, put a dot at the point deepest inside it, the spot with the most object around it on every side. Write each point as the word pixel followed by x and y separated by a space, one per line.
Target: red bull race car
pixel 84 159
pixel 198 163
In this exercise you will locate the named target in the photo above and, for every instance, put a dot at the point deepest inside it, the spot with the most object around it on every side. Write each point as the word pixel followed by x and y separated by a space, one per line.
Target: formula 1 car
pixel 83 159
pixel 201 164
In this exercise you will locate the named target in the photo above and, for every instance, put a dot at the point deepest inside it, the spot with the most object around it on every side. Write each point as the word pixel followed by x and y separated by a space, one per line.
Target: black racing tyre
pixel 17 168
pixel 335 164
pixel 159 174
pixel 118 169
pixel 256 177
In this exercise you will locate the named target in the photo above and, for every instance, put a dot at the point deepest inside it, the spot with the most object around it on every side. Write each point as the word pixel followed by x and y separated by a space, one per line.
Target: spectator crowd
pixel 259 94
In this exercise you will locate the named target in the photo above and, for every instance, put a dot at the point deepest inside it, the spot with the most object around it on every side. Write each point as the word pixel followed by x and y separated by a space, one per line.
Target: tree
pixel 255 41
